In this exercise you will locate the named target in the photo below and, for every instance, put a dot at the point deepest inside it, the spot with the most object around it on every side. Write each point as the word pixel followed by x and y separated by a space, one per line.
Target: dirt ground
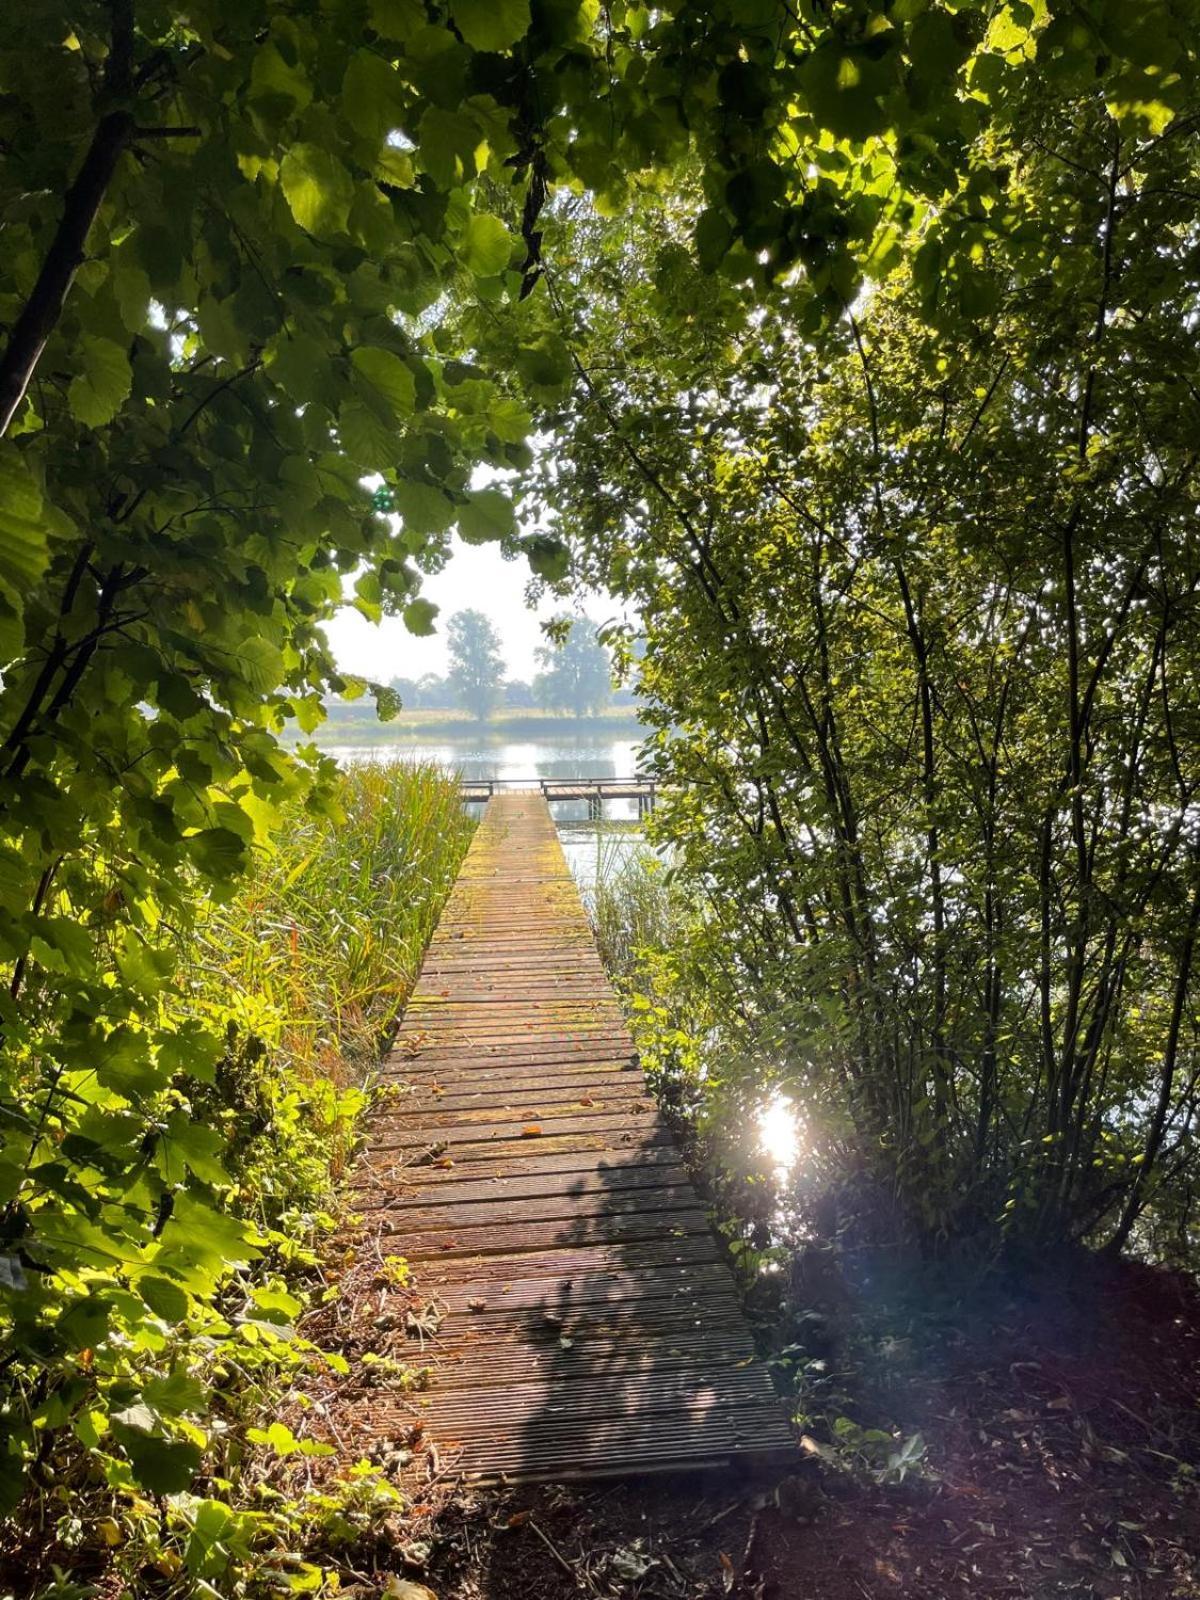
pixel 1062 1433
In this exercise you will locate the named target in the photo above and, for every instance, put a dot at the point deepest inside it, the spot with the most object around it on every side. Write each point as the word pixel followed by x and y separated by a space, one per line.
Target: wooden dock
pixel 586 1323
pixel 594 790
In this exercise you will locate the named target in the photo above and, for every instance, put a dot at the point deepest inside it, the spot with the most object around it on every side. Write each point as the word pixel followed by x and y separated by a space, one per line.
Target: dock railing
pixel 594 790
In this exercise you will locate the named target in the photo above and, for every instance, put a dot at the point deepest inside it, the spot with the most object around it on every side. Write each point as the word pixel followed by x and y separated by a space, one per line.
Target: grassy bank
pixel 145 1430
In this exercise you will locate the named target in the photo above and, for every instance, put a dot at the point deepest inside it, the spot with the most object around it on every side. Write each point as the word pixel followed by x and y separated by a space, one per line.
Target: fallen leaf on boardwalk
pixel 403 1589
pixel 444 1161
pixel 531 1130
pixel 587 1101
pixel 476 1305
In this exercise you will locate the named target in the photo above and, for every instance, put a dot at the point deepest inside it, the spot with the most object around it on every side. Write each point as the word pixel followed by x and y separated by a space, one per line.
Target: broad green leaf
pixel 277 82
pixel 491 24
pixel 166 1299
pixel 487 245
pixel 424 508
pixel 218 852
pixel 176 1393
pixel 212 1239
pixel 261 664
pixel 389 375
pixel 162 1466
pixel 99 390
pixel 451 146
pixel 545 362
pixel 303 368
pixel 365 438
pixel 398 19
pixel 487 515
pixel 714 235
pixel 23 551
pixel 388 704
pixel 372 94
pixel 318 189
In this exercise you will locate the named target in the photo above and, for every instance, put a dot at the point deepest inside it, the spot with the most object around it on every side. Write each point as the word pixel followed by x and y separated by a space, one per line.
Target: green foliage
pixel 629 901
pixel 921 605
pixel 218 416
pixel 154 1329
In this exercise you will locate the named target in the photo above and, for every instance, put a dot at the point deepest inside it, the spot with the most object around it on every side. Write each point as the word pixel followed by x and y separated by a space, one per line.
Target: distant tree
pixel 426 693
pixel 577 675
pixel 433 693
pixel 517 692
pixel 476 665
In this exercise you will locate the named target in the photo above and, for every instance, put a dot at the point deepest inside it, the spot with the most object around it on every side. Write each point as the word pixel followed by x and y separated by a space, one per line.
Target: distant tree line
pixel 576 676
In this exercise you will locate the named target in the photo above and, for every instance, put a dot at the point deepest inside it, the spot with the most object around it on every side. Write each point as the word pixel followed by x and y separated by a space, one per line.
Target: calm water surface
pixel 477 757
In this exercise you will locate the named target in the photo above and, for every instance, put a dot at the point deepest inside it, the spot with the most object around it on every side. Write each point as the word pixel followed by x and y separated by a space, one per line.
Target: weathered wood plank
pixel 589 1324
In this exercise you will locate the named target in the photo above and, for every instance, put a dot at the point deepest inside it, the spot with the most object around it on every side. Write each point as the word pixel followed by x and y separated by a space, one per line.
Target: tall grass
pixel 630 904
pixel 311 965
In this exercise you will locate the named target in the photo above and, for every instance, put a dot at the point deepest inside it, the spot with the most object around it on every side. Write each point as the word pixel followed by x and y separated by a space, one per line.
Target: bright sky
pixel 475 578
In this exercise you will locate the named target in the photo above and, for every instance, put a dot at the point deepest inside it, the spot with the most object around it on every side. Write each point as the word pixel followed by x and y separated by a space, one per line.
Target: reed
pixel 630 903
pixel 309 968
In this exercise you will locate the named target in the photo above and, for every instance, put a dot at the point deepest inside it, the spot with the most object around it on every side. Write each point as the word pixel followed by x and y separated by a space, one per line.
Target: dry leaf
pixel 531 1130
pixel 403 1589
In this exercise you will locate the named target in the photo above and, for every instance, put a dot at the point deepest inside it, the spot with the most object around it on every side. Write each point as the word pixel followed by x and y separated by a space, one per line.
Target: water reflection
pixel 478 757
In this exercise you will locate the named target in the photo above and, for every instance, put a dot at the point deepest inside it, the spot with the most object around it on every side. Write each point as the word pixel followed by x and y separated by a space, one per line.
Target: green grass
pixel 331 929
pixel 630 904
pixel 317 955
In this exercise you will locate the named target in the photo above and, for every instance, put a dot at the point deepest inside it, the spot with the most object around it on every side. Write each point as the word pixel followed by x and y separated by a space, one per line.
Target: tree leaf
pixel 23 548
pixel 491 24
pixel 365 437
pixel 97 393
pixel 167 1300
pixel 162 1466
pixel 487 245
pixel 318 189
pixel 486 516
pixel 389 376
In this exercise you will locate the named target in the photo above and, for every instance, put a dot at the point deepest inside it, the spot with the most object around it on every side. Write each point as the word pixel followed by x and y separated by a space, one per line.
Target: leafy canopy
pixel 274 284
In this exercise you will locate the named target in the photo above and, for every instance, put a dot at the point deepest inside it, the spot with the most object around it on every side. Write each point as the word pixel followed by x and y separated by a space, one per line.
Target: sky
pixel 476 578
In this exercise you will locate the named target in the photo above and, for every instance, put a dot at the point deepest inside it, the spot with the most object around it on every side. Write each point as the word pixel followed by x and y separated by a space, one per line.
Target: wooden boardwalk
pixel 588 1324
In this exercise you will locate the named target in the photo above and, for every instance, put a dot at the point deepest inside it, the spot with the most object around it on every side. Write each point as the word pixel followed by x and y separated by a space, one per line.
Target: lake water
pixel 476 757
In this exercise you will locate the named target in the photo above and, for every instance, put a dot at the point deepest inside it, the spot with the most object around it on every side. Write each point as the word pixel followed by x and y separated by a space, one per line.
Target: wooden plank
pixel 588 1321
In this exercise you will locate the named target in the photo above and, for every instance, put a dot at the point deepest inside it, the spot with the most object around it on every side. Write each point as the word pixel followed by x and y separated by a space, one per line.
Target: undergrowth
pixel 146 1435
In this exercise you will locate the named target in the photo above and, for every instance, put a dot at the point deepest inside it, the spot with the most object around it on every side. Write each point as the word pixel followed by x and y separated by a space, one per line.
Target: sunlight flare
pixel 779 1132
